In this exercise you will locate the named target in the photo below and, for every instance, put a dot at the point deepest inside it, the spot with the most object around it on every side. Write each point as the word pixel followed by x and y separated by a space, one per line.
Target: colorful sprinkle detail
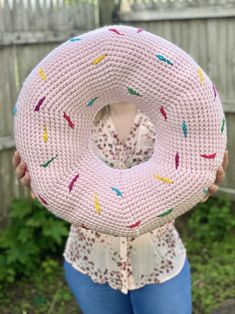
pixel 201 76
pixel 136 224
pixel 99 59
pixel 43 200
pixel 177 158
pixel 139 30
pixel 14 110
pixel 208 156
pixel 167 180
pixel 45 134
pixel 75 39
pixel 67 118
pixel 163 112
pixel 167 212
pixel 133 92
pixel 119 193
pixel 39 104
pixel 116 31
pixel 162 58
pixel 222 126
pixel 71 184
pixel 205 191
pixel 215 92
pixel 97 205
pixel 184 128
pixel 42 74
pixel 91 102
pixel 46 164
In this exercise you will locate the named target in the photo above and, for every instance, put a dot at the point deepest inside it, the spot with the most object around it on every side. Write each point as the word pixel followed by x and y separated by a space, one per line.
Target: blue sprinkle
pixel 75 39
pixel 184 128
pixel 205 191
pixel 162 58
pixel 119 193
pixel 14 110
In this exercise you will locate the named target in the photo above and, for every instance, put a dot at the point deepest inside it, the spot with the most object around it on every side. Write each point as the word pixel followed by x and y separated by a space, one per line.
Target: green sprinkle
pixel 48 162
pixel 222 127
pixel 166 212
pixel 133 92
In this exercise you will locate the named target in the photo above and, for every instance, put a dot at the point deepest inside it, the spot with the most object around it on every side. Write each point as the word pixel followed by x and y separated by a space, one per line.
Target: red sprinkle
pixel 209 156
pixel 177 158
pixel 43 200
pixel 39 104
pixel 163 112
pixel 71 184
pixel 115 31
pixel 214 89
pixel 69 120
pixel 140 30
pixel 136 224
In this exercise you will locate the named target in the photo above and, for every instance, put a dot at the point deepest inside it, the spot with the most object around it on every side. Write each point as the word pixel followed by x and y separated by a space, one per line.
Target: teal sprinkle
pixel 222 127
pixel 91 102
pixel 14 110
pixel 184 128
pixel 119 193
pixel 205 191
pixel 75 39
pixel 162 58
pixel 167 212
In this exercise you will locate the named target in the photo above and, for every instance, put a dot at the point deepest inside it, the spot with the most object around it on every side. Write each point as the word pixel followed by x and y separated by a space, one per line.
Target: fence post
pixel 106 10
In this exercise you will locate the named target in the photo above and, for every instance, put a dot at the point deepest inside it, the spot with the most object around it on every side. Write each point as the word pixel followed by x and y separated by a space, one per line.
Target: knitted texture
pixel 54 117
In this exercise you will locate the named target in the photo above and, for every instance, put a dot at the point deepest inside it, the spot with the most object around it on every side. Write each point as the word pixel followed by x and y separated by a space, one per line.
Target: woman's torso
pixel 124 263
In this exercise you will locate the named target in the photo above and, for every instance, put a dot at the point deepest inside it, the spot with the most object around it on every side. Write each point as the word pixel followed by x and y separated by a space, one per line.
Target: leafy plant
pixel 209 238
pixel 32 235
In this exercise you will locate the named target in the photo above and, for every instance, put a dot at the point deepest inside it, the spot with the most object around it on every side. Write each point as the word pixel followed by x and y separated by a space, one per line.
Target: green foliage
pixel 32 234
pixel 209 239
pixel 212 220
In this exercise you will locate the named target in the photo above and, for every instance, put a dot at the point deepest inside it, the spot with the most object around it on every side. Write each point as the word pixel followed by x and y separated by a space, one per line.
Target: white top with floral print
pixel 124 263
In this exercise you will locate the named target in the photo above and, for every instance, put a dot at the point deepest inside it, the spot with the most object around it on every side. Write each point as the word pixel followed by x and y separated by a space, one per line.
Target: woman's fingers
pixel 220 175
pixel 16 159
pixel 213 189
pixel 25 180
pixel 33 195
pixel 20 170
pixel 225 160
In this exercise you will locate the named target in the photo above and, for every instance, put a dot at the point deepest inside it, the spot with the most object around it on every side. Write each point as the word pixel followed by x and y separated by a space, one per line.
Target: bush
pixel 32 235
pixel 209 239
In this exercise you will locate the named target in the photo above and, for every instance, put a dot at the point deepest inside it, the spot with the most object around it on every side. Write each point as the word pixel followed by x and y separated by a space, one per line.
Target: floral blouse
pixel 125 263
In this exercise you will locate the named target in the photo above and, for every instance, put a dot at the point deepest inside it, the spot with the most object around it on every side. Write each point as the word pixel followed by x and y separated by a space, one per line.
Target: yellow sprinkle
pixel 200 73
pixel 163 179
pixel 45 134
pixel 42 74
pixel 100 58
pixel 97 205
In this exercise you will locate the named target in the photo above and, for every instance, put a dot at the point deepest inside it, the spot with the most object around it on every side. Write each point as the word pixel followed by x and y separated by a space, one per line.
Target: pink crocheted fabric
pixel 54 118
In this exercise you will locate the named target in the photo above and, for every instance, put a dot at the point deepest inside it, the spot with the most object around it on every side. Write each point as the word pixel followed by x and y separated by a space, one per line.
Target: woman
pixel 117 275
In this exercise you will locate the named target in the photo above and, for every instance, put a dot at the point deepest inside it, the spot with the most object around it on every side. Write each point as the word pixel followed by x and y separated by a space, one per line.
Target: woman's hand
pixel 220 175
pixel 21 171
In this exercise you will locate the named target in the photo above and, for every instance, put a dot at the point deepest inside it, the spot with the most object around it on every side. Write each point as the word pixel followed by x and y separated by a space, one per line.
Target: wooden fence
pixel 30 29
pixel 206 30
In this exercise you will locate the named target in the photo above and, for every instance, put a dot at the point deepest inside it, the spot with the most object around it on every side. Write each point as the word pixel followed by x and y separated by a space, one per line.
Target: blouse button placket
pixel 123 254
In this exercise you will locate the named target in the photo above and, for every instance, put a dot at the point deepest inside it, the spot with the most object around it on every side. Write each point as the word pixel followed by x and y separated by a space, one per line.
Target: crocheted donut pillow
pixel 54 117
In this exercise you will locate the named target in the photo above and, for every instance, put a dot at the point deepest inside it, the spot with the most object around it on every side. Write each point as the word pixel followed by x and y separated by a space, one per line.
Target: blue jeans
pixel 170 297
